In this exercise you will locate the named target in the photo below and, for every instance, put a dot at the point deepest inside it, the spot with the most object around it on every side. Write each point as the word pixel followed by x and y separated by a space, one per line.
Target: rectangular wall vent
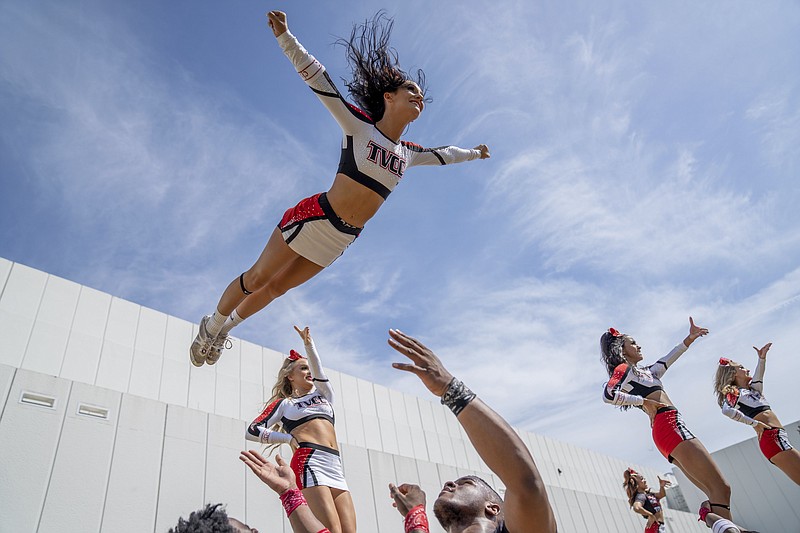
pixel 37 399
pixel 93 411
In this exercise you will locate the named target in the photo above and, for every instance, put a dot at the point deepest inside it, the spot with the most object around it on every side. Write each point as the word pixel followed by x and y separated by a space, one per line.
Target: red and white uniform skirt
pixel 657 527
pixel 314 464
pixel 774 441
pixel 669 431
pixel 315 231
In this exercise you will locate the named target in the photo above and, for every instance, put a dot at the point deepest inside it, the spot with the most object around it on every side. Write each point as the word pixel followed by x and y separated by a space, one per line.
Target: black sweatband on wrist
pixel 457 396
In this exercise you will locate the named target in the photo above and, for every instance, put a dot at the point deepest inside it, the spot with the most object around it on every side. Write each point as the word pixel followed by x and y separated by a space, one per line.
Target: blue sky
pixel 644 168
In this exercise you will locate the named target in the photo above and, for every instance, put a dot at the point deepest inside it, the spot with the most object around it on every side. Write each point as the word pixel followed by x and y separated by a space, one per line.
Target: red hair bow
pixel 294 356
pixel 723 361
pixel 614 333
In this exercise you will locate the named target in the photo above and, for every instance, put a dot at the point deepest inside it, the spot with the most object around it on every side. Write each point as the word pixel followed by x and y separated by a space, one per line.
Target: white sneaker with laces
pixel 220 343
pixel 201 347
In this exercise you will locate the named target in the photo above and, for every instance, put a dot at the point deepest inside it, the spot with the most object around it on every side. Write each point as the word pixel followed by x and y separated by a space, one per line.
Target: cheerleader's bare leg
pixel 278 269
pixel 789 462
pixel 692 456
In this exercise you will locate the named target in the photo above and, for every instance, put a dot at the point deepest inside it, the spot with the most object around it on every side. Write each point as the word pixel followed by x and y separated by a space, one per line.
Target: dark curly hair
pixel 611 353
pixel 611 350
pixel 210 519
pixel 374 65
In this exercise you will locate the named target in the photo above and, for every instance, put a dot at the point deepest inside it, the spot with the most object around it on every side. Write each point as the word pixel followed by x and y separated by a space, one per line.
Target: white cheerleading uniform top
pixel 293 412
pixel 368 156
pixel 743 405
pixel 630 386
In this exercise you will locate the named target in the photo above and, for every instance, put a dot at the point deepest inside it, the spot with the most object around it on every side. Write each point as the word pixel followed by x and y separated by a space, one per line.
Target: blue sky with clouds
pixel 644 168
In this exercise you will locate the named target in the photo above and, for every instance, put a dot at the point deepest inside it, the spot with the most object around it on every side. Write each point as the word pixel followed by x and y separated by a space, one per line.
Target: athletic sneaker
pixel 201 347
pixel 220 343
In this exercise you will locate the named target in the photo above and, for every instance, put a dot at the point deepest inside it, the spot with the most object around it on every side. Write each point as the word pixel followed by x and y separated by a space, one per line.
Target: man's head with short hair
pixel 465 499
pixel 211 519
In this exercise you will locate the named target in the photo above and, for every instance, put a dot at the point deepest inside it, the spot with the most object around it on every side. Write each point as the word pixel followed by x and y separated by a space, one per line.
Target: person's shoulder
pixel 619 371
pixel 277 402
pixel 414 147
pixel 732 397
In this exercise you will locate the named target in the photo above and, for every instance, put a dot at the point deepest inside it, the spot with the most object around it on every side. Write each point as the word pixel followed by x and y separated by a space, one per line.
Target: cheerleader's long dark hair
pixel 611 343
pixel 374 65
pixel 611 349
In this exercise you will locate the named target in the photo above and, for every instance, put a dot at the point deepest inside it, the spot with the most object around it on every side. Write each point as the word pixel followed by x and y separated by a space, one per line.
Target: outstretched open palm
pixel 279 477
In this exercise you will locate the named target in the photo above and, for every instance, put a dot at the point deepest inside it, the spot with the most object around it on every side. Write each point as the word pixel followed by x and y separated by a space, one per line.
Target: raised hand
pixel 762 352
pixel 406 497
pixel 304 333
pixel 277 21
pixel 424 364
pixel 696 331
pixel 279 477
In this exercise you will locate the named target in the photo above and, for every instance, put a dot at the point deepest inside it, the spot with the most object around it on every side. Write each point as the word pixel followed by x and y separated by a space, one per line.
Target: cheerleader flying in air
pixel 741 398
pixel 312 234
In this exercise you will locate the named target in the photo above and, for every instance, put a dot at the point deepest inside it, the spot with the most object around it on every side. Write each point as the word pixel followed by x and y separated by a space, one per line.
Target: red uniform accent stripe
pixel 359 111
pixel 732 398
pixel 308 208
pixel 299 461
pixel 266 413
pixel 618 375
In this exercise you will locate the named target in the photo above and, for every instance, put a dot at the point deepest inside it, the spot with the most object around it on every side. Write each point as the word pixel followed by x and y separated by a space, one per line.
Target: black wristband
pixel 457 396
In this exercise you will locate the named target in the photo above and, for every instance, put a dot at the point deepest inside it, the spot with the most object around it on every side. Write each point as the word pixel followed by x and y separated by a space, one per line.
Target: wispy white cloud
pixel 776 114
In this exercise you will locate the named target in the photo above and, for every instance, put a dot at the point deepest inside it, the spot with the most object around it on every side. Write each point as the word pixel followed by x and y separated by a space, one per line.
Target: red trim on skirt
pixel 655 528
pixel 774 441
pixel 669 431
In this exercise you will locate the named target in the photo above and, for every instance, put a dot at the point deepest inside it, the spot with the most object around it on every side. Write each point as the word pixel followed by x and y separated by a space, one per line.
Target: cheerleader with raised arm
pixel 645 502
pixel 315 232
pixel 635 385
pixel 741 398
pixel 300 413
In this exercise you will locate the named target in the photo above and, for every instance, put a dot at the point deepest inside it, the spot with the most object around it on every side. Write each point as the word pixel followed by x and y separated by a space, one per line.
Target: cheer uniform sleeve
pixel 660 367
pixel 757 384
pixel 321 381
pixel 349 117
pixel 729 409
pixel 443 155
pixel 258 430
pixel 612 393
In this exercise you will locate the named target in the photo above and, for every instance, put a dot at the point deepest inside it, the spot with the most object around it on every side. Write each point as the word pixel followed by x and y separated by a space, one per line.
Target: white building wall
pixel 106 426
